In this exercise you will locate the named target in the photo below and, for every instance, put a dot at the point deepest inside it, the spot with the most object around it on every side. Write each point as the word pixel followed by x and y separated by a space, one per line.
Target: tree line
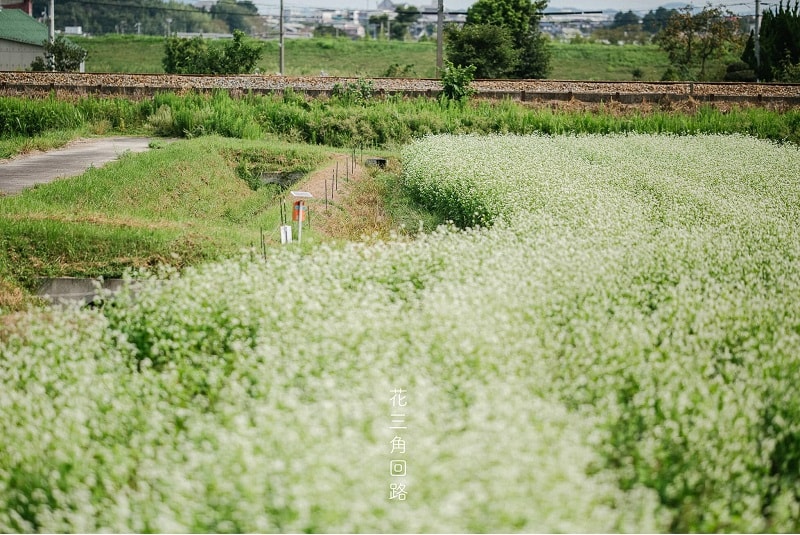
pixel 151 17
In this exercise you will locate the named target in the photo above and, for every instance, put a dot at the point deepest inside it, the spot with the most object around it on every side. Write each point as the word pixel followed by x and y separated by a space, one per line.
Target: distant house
pixel 24 5
pixel 21 40
pixel 386 6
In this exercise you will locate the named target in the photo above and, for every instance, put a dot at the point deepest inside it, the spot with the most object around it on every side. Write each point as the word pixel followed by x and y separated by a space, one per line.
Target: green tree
pixel 779 43
pixel 381 23
pixel 237 15
pixel 521 19
pixel 655 21
pixel 130 16
pixel 61 55
pixel 407 14
pixel 325 30
pixel 625 19
pixel 185 56
pixel 690 40
pixel 489 49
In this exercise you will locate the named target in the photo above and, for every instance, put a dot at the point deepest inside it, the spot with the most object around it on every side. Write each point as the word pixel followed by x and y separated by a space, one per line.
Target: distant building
pixel 22 39
pixel 22 5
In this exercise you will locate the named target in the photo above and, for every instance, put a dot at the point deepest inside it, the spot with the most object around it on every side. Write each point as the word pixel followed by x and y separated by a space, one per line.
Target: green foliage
pixel 238 15
pixel 739 71
pixel 61 55
pixel 779 43
pixel 396 71
pixel 325 30
pixel 521 19
pixel 488 48
pixel 372 122
pixel 655 21
pixel 789 71
pixel 406 16
pixel 456 82
pixel 27 117
pixel 535 54
pixel 358 93
pixel 692 39
pixel 625 19
pixel 145 17
pixel 196 56
pixel 185 56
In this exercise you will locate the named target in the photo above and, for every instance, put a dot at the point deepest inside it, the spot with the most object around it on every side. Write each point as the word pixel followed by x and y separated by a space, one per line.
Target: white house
pixel 22 39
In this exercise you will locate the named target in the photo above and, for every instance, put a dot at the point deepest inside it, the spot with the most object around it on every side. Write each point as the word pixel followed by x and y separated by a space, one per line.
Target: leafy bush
pixel 489 49
pixel 196 56
pixel 739 71
pixel 349 93
pixel 456 82
pixel 61 55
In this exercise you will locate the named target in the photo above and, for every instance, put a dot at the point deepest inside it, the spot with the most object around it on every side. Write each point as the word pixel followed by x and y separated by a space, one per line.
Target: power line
pixel 166 8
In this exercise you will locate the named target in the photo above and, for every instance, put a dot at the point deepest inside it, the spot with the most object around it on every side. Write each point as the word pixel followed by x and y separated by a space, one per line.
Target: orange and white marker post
pixel 300 211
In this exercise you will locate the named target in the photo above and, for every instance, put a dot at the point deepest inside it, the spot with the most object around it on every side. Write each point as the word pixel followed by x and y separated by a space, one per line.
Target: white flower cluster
pixel 617 352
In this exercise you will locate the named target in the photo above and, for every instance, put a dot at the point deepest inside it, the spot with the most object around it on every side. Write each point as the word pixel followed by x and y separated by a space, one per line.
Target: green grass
pixel 374 122
pixel 123 53
pixel 52 139
pixel 372 58
pixel 185 202
pixel 303 57
pixel 593 61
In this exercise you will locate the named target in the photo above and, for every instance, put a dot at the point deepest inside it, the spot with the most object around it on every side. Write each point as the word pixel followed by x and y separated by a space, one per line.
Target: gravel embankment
pixel 16 83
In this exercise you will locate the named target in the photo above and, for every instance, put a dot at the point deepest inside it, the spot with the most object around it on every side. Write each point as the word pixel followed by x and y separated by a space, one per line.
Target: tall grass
pixel 378 122
pixel 29 117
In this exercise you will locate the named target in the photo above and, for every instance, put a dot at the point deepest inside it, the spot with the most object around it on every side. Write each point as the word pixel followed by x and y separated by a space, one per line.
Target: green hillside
pixel 370 58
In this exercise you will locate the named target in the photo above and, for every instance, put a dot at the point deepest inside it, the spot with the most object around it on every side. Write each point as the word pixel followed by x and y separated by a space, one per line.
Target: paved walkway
pixel 74 159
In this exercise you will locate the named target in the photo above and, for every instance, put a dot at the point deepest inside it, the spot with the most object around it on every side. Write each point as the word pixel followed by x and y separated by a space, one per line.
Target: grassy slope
pixel 183 202
pixel 344 57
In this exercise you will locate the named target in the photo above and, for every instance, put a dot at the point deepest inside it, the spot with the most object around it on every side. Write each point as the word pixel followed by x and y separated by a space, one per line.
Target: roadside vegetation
pixel 356 117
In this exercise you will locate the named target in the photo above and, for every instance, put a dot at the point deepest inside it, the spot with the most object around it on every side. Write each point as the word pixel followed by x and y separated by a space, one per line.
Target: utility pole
pixel 757 32
pixel 439 36
pixel 280 40
pixel 52 32
pixel 52 35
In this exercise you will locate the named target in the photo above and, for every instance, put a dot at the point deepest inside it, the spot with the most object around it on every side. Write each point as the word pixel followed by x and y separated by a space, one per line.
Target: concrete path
pixel 74 159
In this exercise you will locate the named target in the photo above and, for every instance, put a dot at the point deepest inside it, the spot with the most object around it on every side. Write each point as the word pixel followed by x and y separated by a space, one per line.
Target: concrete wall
pixel 17 56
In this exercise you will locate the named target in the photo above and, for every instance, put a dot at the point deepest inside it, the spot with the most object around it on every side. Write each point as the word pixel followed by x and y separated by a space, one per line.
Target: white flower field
pixel 614 347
